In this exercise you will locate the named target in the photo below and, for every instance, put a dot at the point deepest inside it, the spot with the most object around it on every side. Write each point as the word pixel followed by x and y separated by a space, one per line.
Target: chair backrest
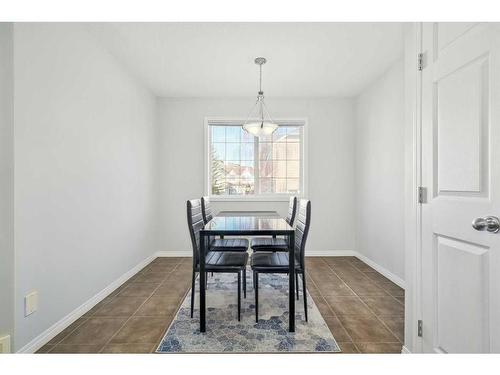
pixel 206 209
pixel 302 229
pixel 195 224
pixel 292 210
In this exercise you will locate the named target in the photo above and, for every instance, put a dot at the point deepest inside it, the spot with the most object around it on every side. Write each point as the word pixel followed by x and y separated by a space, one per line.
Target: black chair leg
pixel 244 283
pixel 256 282
pixel 304 291
pixel 239 296
pixel 192 292
pixel 297 285
pixel 206 280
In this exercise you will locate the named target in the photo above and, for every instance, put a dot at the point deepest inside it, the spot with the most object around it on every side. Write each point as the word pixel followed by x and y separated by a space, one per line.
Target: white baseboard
pixel 395 279
pixel 62 324
pixel 314 253
pixel 405 350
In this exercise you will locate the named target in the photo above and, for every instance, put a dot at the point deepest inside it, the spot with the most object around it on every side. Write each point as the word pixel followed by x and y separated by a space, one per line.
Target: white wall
pixel 6 181
pixel 85 180
pixel 329 162
pixel 380 171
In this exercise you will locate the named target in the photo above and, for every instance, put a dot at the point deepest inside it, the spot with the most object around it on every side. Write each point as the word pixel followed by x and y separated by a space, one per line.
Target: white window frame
pixel 275 197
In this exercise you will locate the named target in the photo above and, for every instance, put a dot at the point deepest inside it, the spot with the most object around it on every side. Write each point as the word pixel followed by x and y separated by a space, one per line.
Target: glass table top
pixel 247 224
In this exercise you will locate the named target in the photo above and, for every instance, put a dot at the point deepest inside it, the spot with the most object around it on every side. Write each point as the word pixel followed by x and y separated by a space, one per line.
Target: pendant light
pixel 264 126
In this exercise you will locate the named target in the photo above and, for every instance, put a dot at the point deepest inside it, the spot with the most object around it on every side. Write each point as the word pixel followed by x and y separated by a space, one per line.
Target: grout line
pixel 311 280
pixel 363 302
pixel 142 304
pixel 66 335
pixel 375 283
pixel 335 314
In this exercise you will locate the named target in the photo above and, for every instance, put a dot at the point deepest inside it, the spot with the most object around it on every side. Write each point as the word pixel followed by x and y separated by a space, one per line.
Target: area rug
pixel 225 334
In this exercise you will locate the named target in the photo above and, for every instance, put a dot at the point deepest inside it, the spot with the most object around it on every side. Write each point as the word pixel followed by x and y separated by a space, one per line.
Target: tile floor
pixel 364 310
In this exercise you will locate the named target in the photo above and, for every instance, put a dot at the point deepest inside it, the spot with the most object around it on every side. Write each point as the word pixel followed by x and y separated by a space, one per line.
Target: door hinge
pixel 419 328
pixel 420 61
pixel 422 194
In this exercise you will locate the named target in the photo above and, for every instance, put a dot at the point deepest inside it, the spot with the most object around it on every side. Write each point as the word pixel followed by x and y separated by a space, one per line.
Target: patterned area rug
pixel 224 332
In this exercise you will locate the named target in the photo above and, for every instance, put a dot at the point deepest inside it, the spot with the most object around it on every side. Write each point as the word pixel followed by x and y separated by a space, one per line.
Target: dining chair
pixel 221 244
pixel 215 261
pixel 277 262
pixel 273 243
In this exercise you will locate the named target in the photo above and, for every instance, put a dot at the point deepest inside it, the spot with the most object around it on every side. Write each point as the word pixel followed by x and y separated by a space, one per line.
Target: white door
pixel 460 275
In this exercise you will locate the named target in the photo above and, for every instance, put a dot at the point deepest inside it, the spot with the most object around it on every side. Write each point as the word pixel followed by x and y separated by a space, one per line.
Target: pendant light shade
pixel 259 122
pixel 259 129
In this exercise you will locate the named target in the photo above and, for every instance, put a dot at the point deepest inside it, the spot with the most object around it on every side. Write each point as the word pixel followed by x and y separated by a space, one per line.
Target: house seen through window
pixel 244 165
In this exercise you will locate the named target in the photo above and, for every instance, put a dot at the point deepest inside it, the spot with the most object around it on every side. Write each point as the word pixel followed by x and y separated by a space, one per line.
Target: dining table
pixel 248 225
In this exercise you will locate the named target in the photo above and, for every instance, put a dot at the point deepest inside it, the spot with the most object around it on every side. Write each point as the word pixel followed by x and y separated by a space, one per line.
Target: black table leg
pixel 291 282
pixel 202 283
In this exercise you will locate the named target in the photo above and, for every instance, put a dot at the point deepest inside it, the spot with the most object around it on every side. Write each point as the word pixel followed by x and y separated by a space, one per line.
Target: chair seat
pixel 268 244
pixel 229 244
pixel 272 262
pixel 225 259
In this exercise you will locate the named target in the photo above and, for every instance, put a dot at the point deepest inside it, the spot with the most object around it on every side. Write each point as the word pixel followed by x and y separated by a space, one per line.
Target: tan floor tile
pixel 346 271
pixel 393 289
pixel 151 277
pixel 366 328
pixel 317 269
pixel 75 349
pixel 348 348
pixel 159 306
pixel 167 260
pixel 161 267
pixel 119 289
pixel 377 278
pixel 347 305
pixel 172 290
pixel 57 339
pixel 379 348
pixel 313 291
pixel 328 277
pixel 120 306
pixel 366 288
pixel 338 332
pixel 128 348
pixel 356 261
pixel 141 330
pixel 45 349
pixel 138 290
pixel 95 331
pixel 323 307
pixel 335 289
pixel 401 300
pixel 340 264
pixel 98 306
pixel 384 305
pixel 396 324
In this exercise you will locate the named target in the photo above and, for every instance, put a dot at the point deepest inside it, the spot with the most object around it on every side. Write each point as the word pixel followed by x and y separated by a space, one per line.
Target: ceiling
pixel 216 59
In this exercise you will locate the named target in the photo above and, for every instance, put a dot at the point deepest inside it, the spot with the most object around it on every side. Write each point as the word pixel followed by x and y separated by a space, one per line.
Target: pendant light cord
pixel 260 79
pixel 261 97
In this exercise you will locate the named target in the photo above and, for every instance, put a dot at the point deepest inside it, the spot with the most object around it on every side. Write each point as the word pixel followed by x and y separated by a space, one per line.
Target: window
pixel 243 165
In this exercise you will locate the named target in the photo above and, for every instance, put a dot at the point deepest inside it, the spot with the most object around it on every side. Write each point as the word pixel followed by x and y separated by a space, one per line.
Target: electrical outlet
pixel 30 303
pixel 5 344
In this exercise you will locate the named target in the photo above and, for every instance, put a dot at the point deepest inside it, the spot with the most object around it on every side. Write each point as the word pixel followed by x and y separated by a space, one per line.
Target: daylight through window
pixel 241 164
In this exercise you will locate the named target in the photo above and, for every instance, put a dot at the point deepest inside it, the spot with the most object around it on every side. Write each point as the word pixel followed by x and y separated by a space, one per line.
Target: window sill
pixel 279 198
